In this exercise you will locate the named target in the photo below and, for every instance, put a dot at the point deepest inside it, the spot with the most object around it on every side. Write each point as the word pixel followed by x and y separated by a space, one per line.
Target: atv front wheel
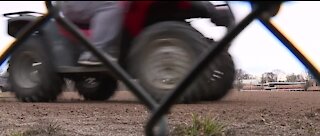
pixel 220 78
pixel 31 75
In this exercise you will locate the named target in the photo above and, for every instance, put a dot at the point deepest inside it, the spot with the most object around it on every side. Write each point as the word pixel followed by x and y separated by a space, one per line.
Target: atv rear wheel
pixel 162 55
pixel 96 87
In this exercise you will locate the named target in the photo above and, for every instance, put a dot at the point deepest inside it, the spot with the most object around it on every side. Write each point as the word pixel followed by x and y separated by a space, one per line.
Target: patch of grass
pixel 51 129
pixel 16 134
pixel 200 126
pixel 311 129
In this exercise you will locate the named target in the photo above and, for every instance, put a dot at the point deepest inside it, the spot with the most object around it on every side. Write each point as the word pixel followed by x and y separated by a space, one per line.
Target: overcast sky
pixel 255 50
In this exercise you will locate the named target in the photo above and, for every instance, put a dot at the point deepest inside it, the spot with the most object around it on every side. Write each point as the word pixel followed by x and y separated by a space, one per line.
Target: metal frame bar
pixel 23 35
pixel 159 110
pixel 198 67
pixel 105 58
pixel 290 46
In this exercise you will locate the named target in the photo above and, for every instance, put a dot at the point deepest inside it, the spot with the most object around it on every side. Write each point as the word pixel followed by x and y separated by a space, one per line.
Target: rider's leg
pixel 105 19
pixel 106 27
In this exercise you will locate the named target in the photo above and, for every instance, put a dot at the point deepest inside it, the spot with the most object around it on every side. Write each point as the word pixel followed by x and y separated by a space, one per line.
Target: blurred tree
pixel 309 75
pixel 310 80
pixel 295 78
pixel 269 77
pixel 240 76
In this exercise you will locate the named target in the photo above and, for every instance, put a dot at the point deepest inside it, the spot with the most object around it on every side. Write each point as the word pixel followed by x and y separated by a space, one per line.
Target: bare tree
pixel 269 77
pixel 310 80
pixel 278 71
pixel 309 75
pixel 240 76
pixel 295 78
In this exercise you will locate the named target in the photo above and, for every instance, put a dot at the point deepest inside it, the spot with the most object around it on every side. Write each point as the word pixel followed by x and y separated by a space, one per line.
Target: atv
pixel 158 47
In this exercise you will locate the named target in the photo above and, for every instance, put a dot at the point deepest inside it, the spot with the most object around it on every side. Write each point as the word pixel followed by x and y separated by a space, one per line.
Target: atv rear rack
pixel 21 13
pixel 263 11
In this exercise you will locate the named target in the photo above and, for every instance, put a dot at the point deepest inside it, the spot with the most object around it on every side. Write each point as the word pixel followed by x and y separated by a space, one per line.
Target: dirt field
pixel 243 114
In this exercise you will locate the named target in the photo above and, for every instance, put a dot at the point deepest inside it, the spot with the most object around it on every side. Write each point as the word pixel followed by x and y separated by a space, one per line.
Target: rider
pixel 105 21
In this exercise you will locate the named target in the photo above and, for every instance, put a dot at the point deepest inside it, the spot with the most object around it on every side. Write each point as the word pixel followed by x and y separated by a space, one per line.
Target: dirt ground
pixel 243 114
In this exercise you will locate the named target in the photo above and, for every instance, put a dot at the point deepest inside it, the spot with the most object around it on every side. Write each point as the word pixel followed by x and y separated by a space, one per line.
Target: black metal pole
pixel 197 68
pixel 24 34
pixel 105 58
pixel 266 22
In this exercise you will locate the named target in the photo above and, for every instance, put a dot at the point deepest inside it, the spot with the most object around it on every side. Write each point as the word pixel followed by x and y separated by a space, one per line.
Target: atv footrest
pixel 81 69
